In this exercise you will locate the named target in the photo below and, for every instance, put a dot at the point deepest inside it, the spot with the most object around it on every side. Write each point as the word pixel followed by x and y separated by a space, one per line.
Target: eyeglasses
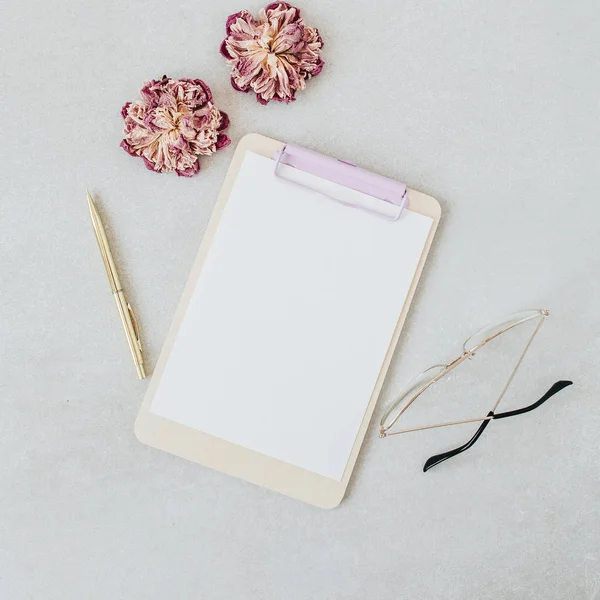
pixel 472 345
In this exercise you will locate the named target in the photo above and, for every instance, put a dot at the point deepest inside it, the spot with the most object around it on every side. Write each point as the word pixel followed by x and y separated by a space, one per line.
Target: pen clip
pixel 136 330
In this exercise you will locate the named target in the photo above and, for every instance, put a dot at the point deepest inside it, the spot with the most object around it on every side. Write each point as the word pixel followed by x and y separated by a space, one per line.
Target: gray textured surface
pixel 492 107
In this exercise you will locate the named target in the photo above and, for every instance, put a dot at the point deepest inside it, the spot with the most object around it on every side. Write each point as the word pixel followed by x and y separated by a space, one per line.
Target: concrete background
pixel 492 107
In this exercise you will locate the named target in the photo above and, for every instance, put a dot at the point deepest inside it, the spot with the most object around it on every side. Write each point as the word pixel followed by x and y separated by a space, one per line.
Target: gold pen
pixel 125 311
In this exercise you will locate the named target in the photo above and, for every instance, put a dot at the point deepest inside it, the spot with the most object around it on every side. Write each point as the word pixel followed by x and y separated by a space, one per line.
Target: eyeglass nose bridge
pixel 459 359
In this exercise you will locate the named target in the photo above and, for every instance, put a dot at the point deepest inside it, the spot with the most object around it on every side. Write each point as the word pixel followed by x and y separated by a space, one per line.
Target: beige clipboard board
pixel 230 458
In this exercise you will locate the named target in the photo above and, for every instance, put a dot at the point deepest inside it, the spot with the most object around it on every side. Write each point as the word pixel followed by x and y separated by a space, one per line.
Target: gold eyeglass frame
pixel 384 429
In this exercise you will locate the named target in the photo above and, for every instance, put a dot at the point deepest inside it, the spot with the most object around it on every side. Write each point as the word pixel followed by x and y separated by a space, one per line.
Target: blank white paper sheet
pixel 290 320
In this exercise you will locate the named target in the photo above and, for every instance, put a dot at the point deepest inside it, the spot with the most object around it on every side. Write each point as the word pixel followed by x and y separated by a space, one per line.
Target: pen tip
pixel 91 204
pixel 92 207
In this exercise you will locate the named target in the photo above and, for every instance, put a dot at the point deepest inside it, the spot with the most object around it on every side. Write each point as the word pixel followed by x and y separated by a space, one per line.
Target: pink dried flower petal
pixel 173 125
pixel 224 122
pixel 273 55
pixel 222 141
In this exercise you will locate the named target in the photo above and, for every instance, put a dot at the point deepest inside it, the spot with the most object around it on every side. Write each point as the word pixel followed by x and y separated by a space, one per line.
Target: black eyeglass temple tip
pixel 439 458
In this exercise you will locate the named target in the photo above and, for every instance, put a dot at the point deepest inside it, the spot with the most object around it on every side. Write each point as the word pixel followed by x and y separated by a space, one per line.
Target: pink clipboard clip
pixel 345 174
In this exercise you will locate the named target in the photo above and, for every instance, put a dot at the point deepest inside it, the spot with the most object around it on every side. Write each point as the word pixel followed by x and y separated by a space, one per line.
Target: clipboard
pixel 238 460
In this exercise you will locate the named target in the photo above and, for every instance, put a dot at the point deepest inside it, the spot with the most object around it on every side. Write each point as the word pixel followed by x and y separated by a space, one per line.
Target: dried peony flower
pixel 273 55
pixel 173 125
